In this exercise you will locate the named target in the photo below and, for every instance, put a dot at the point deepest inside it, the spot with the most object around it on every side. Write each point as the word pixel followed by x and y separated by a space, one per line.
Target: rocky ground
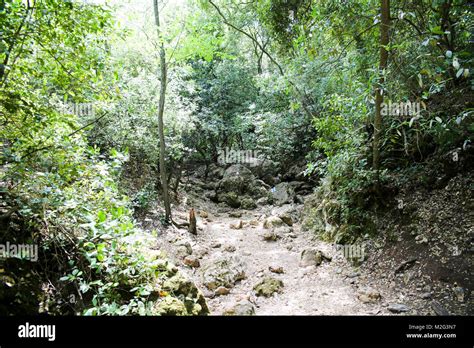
pixel 251 256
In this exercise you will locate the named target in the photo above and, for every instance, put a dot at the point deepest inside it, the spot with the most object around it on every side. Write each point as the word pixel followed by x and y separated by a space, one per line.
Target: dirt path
pixel 326 289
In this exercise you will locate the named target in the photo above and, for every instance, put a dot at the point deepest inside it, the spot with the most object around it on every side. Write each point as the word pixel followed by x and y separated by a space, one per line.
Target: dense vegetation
pixel 298 81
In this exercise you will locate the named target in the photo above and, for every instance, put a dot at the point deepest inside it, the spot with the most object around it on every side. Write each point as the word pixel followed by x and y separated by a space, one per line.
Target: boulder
pixel 224 272
pixel 311 257
pixel 239 188
pixel 295 172
pixel 215 171
pixel 287 219
pixel 181 287
pixel 237 178
pixel 283 193
pixel 247 203
pixel 268 286
pixel 170 306
pixel 271 236
pixel 265 168
pixel 230 198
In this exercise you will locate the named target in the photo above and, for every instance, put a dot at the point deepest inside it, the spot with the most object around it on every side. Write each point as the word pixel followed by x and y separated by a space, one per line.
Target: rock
pixel 321 215
pixel 296 172
pixel 194 300
pixel 183 248
pixel 247 203
pixel 230 248
pixel 253 222
pixel 216 171
pixel 276 269
pixel 272 221
pixel 287 212
pixel 268 286
pixel 237 226
pixel 170 306
pixel 263 201
pixel 286 219
pixel 239 188
pixel 439 309
pixel 271 236
pixel 235 214
pixel 243 307
pixel 221 291
pixel 225 272
pixel 282 193
pixel 203 214
pixel 216 245
pixel 265 168
pixel 353 275
pixel 311 257
pixel 200 251
pixel 236 178
pixel 230 198
pixel 398 308
pixel 191 261
pixel 166 267
pixel 426 295
pixel 299 199
pixel 326 256
pixel 369 296
pixel 259 190
pixel 263 184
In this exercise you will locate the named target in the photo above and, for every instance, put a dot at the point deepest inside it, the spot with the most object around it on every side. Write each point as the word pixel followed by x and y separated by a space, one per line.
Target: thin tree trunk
pixel 161 107
pixel 384 40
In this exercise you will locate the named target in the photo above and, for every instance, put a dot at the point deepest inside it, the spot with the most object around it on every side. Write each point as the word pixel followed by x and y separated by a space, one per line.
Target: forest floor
pixel 233 252
pixel 310 290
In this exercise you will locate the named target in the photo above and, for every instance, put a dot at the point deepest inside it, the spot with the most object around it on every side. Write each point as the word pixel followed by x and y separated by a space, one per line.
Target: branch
pixel 249 36
pixel 28 154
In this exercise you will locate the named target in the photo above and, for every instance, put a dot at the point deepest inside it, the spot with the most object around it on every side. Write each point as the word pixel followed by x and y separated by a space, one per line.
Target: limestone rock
pixel 268 286
pixel 272 221
pixel 191 261
pixel 241 308
pixel 224 272
pixel 311 257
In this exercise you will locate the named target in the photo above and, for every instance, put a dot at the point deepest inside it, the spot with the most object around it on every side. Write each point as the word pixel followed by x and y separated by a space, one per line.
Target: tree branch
pixel 249 36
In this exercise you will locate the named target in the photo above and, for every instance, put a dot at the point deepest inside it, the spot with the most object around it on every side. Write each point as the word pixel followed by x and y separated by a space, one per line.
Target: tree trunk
pixel 192 222
pixel 384 40
pixel 161 107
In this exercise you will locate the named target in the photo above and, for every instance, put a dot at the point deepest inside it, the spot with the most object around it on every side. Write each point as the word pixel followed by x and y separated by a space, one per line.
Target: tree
pixel 384 40
pixel 161 106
